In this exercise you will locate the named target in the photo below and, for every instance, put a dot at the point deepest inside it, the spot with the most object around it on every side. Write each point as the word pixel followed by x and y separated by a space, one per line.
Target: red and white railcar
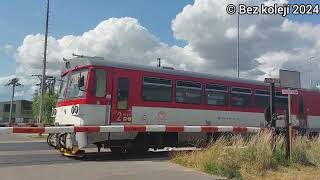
pixel 98 92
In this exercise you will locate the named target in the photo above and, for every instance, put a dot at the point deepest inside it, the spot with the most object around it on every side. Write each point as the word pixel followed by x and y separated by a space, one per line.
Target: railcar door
pixel 122 95
pixel 101 95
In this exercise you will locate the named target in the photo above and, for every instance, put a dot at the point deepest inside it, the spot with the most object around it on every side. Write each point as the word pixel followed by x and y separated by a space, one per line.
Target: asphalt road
pixel 22 157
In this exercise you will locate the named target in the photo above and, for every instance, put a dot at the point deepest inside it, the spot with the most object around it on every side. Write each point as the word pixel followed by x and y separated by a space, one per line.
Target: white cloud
pixel 8 49
pixel 117 39
pixel 250 31
pixel 231 33
pixel 267 43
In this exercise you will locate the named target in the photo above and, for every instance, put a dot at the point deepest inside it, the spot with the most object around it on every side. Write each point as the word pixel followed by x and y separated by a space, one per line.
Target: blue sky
pixel 307 18
pixel 20 18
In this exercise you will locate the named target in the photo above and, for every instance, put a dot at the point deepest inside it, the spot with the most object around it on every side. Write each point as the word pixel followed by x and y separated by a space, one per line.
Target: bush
pixel 234 156
pixel 49 102
pixel 229 172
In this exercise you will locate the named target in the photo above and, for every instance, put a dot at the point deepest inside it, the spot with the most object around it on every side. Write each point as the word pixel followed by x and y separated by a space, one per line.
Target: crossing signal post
pixel 272 111
pixel 273 117
pixel 291 81
pixel 289 92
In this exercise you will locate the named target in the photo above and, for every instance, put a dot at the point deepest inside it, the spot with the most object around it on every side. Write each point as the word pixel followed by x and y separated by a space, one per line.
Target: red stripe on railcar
pixel 90 101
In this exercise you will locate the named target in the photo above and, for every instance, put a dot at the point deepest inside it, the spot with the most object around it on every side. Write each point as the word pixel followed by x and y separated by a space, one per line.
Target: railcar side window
pixel 156 89
pixel 216 94
pixel 241 97
pixel 281 100
pixel 262 98
pixel 123 93
pixel 188 92
pixel 100 78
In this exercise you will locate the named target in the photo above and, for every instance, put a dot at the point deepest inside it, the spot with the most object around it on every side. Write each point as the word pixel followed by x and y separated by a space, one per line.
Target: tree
pixel 49 102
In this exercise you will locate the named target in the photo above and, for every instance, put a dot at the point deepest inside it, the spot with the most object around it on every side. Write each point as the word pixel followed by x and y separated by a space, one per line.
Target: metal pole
pixel 238 48
pixel 11 103
pixel 44 65
pixel 287 136
pixel 310 74
pixel 272 104
pixel 159 62
pixel 289 130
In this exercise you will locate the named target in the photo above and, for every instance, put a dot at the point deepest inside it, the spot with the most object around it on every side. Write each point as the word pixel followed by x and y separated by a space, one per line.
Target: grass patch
pixel 258 157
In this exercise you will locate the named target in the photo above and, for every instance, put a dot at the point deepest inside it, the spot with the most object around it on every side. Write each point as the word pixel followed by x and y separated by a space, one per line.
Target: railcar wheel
pixel 139 145
pixel 62 140
pixel 99 146
pixel 117 150
pixel 138 149
pixel 51 141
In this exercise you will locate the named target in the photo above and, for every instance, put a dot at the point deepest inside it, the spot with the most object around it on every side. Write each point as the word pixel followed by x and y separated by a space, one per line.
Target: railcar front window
pixel 101 81
pixel 63 86
pixel 73 89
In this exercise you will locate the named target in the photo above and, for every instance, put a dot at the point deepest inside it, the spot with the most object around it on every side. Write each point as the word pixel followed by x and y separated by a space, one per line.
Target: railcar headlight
pixel 54 112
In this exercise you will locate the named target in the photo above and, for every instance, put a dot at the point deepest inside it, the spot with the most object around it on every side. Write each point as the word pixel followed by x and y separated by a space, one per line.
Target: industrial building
pixel 21 111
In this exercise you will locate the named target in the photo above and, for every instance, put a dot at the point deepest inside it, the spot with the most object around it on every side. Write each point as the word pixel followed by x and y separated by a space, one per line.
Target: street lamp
pixel 311 60
pixel 238 46
pixel 14 82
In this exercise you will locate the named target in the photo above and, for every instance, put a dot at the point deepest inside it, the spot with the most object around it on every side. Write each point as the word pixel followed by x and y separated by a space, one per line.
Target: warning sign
pixel 290 91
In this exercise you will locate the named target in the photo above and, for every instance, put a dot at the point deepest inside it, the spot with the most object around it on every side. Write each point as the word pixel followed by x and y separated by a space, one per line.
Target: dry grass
pixel 288 173
pixel 259 157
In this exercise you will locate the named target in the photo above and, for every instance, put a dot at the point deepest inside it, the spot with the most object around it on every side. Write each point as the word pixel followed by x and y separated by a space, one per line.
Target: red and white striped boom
pixel 129 128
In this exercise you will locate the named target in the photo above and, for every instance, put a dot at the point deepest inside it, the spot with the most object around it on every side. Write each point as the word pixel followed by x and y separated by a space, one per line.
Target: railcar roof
pixel 99 61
